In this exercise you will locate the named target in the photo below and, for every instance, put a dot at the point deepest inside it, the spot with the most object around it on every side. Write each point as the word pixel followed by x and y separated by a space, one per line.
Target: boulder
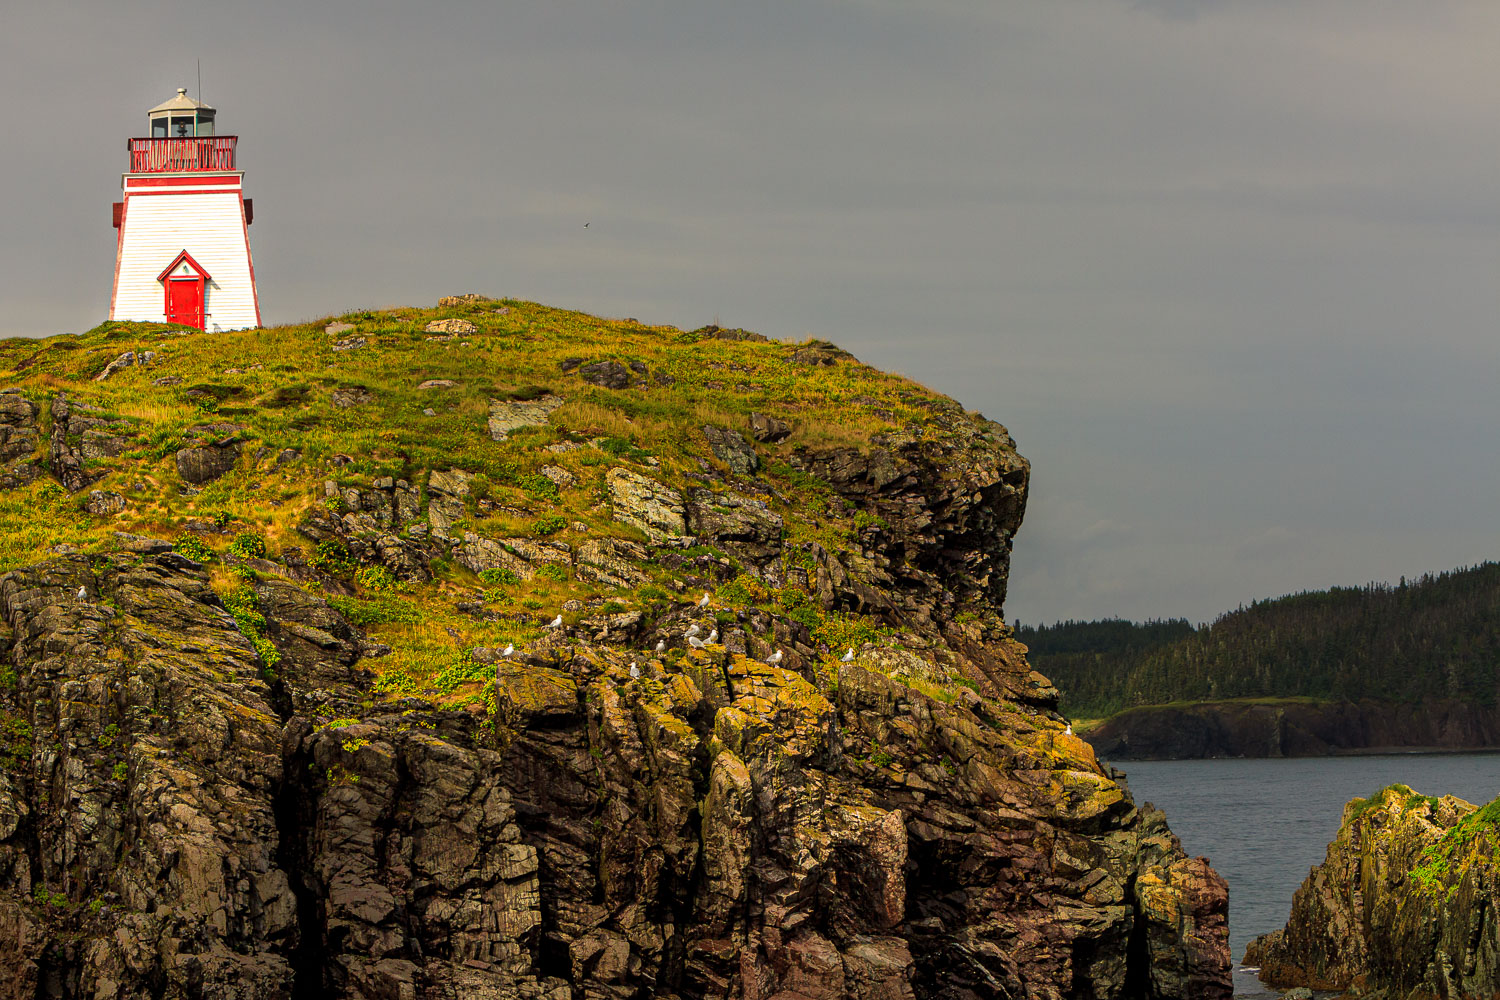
pixel 769 429
pixel 350 344
pixel 126 360
pixel 103 502
pixel 346 396
pixel 613 562
pixel 208 461
pixel 461 326
pixel 607 374
pixel 437 383
pixel 733 450
pixel 647 504
pixel 447 501
pixel 466 299
pixel 507 415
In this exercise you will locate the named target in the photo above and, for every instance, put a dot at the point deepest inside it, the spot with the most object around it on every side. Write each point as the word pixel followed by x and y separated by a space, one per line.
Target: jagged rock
pixel 287 455
pixel 142 544
pixel 167 380
pixel 369 523
pixel 613 562
pixel 438 383
pixel 733 450
pixel 350 344
pixel 821 353
pixel 200 906
pixel 562 477
pixel 81 433
pixel 346 396
pixel 104 502
pixel 608 374
pixel 769 429
pixel 1402 906
pixel 206 462
pixel 721 334
pixel 450 326
pixel 466 299
pixel 742 526
pixel 507 415
pixel 127 360
pixel 18 439
pixel 447 501
pixel 646 504
pixel 568 364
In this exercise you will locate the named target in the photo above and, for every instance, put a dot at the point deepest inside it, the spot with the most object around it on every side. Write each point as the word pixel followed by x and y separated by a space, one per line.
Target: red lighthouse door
pixel 185 301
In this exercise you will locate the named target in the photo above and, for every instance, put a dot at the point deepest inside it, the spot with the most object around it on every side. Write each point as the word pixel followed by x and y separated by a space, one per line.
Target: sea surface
pixel 1264 823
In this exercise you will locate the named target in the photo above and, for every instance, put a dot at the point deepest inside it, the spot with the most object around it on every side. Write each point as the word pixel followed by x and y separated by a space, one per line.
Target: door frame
pixel 201 278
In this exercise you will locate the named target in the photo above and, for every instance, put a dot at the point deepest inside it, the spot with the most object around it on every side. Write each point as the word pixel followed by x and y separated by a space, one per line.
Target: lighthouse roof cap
pixel 182 102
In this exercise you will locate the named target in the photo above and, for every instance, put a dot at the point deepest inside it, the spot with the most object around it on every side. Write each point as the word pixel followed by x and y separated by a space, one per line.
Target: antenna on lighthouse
pixel 200 79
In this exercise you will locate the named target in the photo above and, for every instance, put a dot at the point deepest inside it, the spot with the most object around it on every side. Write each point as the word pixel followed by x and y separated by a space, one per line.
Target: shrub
pixel 551 524
pixel 498 576
pixel 194 549
pixel 333 558
pixel 555 572
pixel 379 610
pixel 248 545
pixel 376 578
pixel 539 486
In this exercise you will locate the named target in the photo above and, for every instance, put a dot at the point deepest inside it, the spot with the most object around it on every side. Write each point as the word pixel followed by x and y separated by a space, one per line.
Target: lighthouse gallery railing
pixel 211 152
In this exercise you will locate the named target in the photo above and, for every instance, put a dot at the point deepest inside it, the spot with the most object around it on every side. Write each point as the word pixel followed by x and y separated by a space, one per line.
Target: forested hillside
pixel 1435 637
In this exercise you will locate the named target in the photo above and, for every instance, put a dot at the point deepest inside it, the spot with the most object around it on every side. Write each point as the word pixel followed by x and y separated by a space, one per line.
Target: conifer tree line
pixel 1434 637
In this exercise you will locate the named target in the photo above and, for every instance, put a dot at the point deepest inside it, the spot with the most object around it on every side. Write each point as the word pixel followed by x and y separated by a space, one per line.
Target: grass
pixel 278 386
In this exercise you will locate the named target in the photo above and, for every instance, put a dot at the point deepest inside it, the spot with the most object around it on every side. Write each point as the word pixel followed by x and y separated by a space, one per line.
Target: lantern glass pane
pixel 158 128
pixel 182 125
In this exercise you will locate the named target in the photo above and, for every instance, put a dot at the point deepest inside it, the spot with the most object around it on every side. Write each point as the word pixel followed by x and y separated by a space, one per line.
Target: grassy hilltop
pixel 385 396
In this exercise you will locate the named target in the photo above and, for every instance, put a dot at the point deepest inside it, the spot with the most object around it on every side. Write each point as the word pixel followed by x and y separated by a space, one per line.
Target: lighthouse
pixel 184 239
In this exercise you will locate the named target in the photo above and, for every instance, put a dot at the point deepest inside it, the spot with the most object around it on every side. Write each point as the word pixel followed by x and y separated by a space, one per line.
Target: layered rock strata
pixel 1402 907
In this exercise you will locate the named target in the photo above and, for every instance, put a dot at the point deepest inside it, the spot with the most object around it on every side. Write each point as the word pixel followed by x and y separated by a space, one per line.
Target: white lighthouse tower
pixel 184 244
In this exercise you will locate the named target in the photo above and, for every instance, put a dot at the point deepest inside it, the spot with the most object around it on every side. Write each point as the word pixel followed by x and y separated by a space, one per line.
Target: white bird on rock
pixel 704 602
pixel 635 671
pixel 849 656
pixel 83 593
pixel 696 642
pixel 1069 730
pixel 556 622
pixel 692 631
pixel 508 650
pixel 774 658
pixel 713 636
pixel 661 647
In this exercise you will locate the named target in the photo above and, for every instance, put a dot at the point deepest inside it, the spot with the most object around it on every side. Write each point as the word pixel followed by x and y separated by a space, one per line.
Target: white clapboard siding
pixel 209 225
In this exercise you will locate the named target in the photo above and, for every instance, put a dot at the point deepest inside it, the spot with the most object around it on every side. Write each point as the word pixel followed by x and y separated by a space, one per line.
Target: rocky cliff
pixel 1403 907
pixel 503 652
pixel 1292 728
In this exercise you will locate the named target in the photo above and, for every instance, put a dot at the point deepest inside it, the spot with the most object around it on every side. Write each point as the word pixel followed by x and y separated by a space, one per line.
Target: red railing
pixel 209 152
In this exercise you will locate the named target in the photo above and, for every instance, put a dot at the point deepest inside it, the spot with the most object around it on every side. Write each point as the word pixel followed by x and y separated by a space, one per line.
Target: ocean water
pixel 1264 823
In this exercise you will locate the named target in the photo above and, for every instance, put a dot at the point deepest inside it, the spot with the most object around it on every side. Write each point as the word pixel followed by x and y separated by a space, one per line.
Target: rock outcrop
pixel 559 714
pixel 1402 908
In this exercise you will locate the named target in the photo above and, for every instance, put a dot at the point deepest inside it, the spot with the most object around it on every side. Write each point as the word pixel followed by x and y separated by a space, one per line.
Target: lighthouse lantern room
pixel 184 243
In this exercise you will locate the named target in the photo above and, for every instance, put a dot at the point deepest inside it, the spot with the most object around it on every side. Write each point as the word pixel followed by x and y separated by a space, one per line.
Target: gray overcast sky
pixel 1227 271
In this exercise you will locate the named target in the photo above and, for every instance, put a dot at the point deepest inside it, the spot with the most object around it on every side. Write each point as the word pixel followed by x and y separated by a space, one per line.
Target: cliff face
pixel 1292 729
pixel 300 764
pixel 1403 906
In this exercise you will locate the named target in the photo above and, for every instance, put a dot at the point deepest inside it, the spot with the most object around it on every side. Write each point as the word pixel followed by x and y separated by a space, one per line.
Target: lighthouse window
pixel 182 126
pixel 158 128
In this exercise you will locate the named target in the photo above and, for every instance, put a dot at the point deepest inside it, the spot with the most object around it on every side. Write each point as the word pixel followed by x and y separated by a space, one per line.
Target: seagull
pixel 774 658
pixel 556 622
pixel 696 642
pixel 508 650
pixel 661 647
pixel 1068 731
pixel 692 631
pixel 704 603
pixel 849 656
pixel 713 636
pixel 83 593
pixel 635 671
pixel 585 225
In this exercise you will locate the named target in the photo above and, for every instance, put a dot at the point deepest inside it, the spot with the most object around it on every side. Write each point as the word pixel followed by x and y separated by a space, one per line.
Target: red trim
pixel 185 256
pixel 135 181
pixel 114 293
pixel 117 212
pixel 254 293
